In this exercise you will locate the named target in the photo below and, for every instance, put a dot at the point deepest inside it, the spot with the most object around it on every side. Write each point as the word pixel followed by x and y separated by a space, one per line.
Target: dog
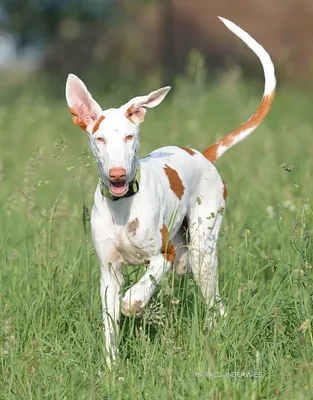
pixel 142 207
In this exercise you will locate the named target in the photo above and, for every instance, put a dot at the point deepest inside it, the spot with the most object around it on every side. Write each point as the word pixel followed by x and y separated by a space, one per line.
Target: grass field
pixel 51 341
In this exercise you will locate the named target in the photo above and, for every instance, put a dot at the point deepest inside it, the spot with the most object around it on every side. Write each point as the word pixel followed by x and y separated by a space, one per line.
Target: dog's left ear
pixel 136 108
pixel 85 110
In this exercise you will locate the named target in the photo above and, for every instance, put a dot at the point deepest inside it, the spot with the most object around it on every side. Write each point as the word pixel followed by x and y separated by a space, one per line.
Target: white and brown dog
pixel 142 207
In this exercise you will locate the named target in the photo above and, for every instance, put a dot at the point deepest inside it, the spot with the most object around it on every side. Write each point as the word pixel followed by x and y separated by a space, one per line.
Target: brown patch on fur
pixel 133 226
pixel 176 183
pixel 135 116
pixel 225 190
pixel 189 151
pixel 77 120
pixel 97 124
pixel 211 152
pixel 167 248
pixel 129 113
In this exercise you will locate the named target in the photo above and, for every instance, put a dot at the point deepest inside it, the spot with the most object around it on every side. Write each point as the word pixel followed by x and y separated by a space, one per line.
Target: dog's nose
pixel 117 174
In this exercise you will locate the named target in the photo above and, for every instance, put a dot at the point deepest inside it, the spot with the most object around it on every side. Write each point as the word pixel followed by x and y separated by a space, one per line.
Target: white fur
pixel 269 86
pixel 267 64
pixel 128 231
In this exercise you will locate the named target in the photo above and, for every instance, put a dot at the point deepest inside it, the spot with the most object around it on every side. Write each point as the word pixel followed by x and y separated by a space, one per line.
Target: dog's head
pixel 113 133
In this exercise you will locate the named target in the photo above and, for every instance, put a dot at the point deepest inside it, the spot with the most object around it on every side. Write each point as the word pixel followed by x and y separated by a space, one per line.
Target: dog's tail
pixel 217 149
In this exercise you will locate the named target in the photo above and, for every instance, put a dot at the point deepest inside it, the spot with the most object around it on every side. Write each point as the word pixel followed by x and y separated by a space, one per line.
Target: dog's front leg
pixel 110 287
pixel 111 278
pixel 137 297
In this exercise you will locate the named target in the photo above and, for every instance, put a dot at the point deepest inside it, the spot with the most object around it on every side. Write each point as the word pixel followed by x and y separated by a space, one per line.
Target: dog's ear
pixel 85 110
pixel 136 108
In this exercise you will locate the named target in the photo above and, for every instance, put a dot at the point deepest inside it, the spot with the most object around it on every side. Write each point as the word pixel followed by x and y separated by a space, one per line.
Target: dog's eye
pixel 129 137
pixel 100 140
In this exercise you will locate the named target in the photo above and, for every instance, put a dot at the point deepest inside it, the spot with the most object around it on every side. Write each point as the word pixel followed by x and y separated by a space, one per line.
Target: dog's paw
pixel 132 309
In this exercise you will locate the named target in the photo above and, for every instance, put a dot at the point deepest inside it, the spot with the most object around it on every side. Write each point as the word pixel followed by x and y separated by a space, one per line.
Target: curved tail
pixel 217 149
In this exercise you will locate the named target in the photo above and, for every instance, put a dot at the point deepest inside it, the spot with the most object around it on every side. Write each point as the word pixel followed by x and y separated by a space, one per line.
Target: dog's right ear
pixel 85 110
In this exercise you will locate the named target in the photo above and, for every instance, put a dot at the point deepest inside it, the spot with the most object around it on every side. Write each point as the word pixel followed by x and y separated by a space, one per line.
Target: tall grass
pixel 51 339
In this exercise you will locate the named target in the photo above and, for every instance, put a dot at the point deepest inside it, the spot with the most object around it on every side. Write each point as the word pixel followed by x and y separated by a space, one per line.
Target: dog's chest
pixel 132 245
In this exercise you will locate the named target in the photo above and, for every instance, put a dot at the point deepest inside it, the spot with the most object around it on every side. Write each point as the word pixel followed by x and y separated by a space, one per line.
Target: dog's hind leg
pixel 204 226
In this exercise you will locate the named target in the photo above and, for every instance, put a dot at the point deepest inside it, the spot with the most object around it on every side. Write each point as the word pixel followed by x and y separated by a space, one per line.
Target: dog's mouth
pixel 118 188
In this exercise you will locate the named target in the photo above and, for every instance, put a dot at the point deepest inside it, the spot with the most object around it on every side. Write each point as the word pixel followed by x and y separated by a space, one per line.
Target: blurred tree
pixel 85 36
pixel 33 21
pixel 63 33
